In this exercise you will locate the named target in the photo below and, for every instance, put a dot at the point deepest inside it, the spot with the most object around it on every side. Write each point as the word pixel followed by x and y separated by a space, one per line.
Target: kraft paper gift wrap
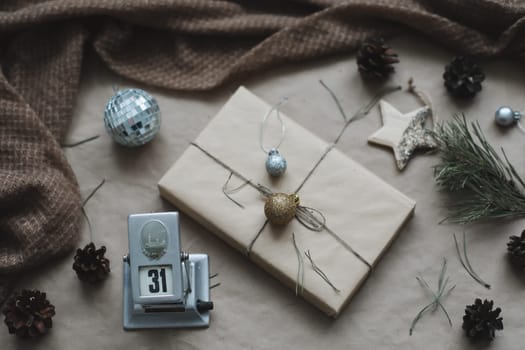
pixel 363 213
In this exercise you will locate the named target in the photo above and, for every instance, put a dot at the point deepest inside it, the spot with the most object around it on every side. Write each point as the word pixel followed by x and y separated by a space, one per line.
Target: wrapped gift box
pixel 363 213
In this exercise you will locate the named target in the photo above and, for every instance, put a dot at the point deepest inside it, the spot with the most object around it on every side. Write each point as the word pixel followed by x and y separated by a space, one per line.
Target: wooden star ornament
pixel 404 133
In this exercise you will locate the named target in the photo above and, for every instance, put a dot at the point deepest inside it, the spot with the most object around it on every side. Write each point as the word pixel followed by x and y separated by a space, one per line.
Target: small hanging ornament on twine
pixel 275 163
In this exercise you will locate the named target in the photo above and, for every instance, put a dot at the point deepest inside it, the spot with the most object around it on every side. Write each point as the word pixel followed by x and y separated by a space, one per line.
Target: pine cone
pixel 90 264
pixel 375 59
pixel 463 77
pixel 29 314
pixel 480 321
pixel 516 249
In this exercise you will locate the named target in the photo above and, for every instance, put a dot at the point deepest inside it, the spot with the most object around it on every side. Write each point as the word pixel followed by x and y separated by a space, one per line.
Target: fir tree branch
pixel 485 186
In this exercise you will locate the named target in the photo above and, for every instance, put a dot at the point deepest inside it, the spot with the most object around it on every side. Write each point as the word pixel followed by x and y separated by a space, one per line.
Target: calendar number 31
pixel 155 286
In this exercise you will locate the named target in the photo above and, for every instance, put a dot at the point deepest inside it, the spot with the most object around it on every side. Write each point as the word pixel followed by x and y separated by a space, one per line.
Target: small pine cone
pixel 29 314
pixel 375 59
pixel 90 264
pixel 480 321
pixel 463 77
pixel 516 249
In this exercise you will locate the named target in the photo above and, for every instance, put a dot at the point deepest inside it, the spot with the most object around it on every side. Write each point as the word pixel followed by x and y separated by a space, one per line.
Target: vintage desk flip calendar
pixel 363 213
pixel 163 286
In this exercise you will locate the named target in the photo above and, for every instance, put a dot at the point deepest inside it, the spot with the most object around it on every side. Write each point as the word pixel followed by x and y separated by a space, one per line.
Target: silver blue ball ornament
pixel 505 116
pixel 275 164
pixel 132 117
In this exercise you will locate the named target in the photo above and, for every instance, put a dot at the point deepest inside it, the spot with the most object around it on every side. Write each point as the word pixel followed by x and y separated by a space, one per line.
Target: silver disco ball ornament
pixel 132 117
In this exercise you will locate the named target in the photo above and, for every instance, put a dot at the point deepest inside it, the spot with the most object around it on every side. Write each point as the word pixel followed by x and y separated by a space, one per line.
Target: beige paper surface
pixel 363 213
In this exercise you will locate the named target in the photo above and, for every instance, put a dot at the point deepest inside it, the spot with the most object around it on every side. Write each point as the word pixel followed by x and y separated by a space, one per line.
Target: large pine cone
pixel 29 314
pixel 480 321
pixel 516 249
pixel 463 77
pixel 90 264
pixel 375 59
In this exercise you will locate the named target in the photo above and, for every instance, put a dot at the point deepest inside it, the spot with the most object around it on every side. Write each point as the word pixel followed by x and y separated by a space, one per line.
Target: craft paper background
pixel 252 308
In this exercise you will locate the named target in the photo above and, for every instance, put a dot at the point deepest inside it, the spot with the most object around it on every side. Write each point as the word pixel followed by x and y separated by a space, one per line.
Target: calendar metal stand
pixel 163 287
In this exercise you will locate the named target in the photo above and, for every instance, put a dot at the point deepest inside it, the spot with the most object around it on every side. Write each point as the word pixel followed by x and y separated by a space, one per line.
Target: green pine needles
pixel 438 296
pixel 484 186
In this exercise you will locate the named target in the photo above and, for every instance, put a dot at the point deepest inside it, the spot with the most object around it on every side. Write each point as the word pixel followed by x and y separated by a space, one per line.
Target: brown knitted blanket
pixel 177 44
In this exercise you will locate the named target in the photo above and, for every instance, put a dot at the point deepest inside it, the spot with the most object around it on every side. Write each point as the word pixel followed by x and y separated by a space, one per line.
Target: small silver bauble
pixel 132 117
pixel 275 164
pixel 505 116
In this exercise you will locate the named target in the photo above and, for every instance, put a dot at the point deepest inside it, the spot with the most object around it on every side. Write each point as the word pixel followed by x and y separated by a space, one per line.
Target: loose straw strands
pixel 299 284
